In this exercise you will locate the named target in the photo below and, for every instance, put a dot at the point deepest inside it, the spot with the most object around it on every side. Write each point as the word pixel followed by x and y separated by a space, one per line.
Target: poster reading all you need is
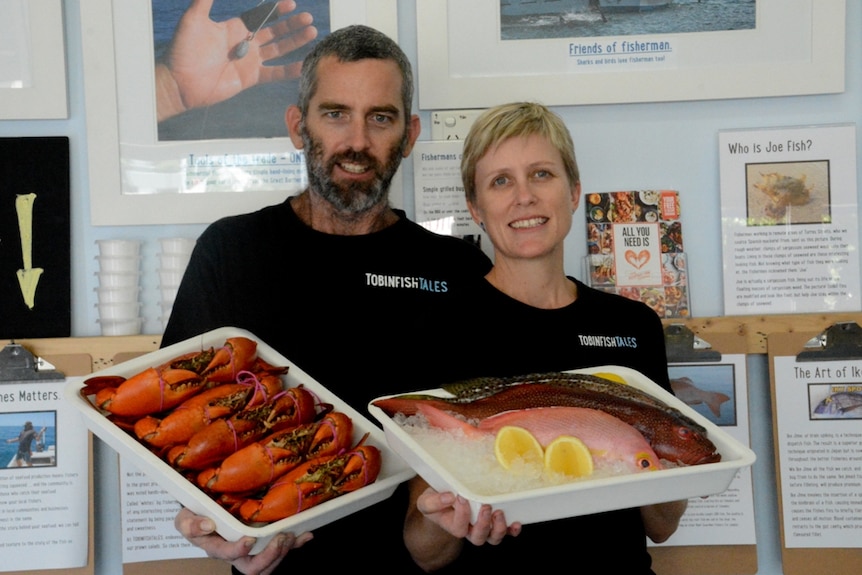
pixel 634 241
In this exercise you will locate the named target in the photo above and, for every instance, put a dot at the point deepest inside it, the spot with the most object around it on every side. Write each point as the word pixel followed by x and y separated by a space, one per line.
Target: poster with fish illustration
pixel 818 432
pixel 789 219
pixel 635 248
pixel 719 392
pixel 818 444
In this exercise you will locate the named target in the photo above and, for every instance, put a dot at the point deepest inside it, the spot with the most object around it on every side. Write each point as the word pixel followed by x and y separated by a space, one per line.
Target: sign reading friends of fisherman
pixel 789 220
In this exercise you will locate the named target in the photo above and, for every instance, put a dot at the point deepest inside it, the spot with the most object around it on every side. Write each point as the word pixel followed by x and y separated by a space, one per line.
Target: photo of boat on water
pixel 535 19
pixel 38 429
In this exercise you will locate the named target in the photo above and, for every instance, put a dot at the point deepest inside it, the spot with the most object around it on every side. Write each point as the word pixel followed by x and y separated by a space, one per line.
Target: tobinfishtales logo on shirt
pixel 405 282
pixel 607 341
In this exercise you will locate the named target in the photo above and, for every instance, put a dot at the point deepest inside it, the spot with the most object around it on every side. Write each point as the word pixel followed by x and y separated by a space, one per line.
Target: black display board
pixel 35 279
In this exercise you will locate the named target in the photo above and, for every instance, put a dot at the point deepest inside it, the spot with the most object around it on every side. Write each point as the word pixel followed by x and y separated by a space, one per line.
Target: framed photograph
pixel 228 155
pixel 572 52
pixel 32 61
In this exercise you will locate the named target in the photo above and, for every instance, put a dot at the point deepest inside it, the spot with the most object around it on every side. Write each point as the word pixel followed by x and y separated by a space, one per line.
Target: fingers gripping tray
pixel 393 469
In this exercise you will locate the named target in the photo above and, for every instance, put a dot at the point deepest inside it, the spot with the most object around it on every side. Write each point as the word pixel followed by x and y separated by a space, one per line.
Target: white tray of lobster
pixel 248 389
pixel 684 455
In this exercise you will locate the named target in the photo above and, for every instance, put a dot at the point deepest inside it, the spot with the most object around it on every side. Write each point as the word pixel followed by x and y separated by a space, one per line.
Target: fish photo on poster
pixel 708 389
pixel 835 401
pixel 780 193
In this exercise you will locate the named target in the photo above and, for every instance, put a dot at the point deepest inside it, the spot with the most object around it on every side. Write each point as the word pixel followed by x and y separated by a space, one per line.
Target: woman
pixel 522 187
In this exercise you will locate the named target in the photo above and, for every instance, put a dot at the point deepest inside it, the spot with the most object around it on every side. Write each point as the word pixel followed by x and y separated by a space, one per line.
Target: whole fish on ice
pixel 608 438
pixel 671 434
pixel 687 392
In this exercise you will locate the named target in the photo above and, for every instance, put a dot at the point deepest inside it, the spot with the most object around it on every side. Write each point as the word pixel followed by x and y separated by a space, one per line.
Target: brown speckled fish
pixel 672 435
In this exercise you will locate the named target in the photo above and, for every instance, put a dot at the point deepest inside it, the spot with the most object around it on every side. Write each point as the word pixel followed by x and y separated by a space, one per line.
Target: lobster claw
pixel 293 406
pixel 166 386
pixel 259 464
pixel 149 392
pixel 238 354
pixel 314 482
pixel 195 413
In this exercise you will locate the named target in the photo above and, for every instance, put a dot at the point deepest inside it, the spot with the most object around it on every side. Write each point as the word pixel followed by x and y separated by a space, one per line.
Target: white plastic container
pixel 177 245
pixel 172 261
pixel 118 295
pixel 170 277
pixel 393 471
pixel 169 293
pixel 587 496
pixel 119 248
pixel 118 279
pixel 119 311
pixel 119 264
pixel 112 327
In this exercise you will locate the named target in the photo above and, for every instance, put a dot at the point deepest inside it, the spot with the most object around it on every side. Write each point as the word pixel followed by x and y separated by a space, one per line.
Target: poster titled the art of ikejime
pixel 789 220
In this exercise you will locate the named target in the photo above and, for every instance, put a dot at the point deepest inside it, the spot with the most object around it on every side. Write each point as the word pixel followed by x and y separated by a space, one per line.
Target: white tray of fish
pixel 702 468
pixel 393 470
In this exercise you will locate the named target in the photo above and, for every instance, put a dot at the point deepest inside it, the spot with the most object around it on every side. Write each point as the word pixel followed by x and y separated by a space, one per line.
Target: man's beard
pixel 355 197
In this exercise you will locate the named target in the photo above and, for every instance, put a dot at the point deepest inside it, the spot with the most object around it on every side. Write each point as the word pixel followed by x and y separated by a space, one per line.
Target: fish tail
pixel 715 401
pixel 444 420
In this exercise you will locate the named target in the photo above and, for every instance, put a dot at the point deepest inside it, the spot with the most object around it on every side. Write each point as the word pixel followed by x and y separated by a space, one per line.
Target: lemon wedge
pixel 568 456
pixel 515 447
pixel 611 376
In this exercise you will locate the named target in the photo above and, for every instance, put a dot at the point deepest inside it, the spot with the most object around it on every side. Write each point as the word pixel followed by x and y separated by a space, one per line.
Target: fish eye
pixel 645 462
pixel 684 432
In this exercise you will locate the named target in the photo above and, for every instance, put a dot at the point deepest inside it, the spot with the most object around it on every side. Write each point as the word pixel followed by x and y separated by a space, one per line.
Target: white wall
pixel 668 145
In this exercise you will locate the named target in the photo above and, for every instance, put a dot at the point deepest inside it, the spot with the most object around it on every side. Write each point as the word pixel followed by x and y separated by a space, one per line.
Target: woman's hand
pixel 202 65
pixel 200 532
pixel 452 513
pixel 438 523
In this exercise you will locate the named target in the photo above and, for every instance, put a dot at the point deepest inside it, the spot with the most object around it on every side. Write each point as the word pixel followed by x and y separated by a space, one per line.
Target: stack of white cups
pixel 119 290
pixel 173 260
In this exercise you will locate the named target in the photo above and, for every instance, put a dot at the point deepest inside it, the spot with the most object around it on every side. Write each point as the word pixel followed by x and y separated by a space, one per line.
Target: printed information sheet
pixel 44 479
pixel 148 513
pixel 818 408
pixel 439 193
pixel 789 220
pixel 719 392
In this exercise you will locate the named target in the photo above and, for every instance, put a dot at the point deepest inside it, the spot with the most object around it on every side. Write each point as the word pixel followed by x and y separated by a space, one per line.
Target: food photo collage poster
pixel 635 248
pixel 789 218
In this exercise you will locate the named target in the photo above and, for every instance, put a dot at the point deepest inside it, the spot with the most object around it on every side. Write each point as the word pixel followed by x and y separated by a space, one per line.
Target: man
pixel 25 441
pixel 334 279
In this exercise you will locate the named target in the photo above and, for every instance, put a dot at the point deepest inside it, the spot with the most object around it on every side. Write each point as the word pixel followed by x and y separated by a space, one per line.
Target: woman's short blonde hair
pixel 498 124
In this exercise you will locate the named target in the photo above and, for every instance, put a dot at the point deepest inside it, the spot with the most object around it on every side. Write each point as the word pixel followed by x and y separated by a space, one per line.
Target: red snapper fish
pixel 672 435
pixel 609 439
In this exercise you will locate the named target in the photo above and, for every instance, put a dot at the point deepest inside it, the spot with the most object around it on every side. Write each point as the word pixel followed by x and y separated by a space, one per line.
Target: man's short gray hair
pixel 352 44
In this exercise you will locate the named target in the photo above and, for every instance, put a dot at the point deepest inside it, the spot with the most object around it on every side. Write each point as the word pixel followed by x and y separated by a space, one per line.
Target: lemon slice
pixel 610 376
pixel 515 446
pixel 569 456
